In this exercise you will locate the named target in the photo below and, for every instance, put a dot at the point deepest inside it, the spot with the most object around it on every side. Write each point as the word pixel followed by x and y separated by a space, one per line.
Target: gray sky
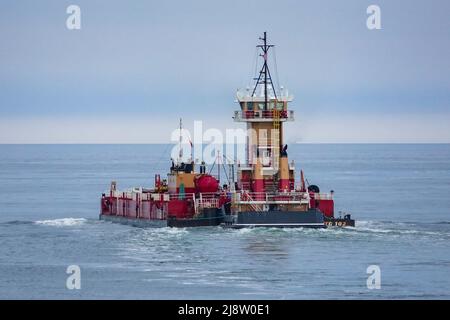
pixel 135 67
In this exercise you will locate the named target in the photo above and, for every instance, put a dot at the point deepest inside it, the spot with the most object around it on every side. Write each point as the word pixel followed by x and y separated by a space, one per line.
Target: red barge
pixel 264 194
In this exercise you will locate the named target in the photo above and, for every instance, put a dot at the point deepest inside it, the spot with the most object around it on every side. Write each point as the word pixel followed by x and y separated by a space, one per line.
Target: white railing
pixel 210 200
pixel 262 115
pixel 275 198
pixel 147 196
pixel 207 203
pixel 323 196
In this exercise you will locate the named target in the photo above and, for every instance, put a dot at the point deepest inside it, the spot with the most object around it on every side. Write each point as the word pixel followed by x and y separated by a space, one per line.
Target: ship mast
pixel 180 152
pixel 264 74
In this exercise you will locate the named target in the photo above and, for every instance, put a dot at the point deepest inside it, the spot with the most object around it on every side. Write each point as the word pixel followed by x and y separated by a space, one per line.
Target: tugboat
pixel 264 193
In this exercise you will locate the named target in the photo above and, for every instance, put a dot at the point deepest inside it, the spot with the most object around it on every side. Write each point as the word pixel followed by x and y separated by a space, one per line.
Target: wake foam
pixel 64 222
pixel 393 228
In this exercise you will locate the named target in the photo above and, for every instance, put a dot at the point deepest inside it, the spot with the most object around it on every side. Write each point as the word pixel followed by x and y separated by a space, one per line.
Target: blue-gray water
pixel 49 203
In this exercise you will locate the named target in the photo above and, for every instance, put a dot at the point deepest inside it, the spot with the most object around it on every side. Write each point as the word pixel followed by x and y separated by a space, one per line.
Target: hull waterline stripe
pixel 277 224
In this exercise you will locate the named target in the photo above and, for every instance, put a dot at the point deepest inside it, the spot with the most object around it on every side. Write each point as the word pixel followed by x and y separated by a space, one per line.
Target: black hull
pixel 276 219
pixel 271 219
pixel 210 217
pixel 141 223
pixel 339 222
pixel 195 222
pixel 171 222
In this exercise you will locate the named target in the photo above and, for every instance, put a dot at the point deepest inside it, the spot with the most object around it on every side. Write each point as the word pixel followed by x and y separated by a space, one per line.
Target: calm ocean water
pixel 49 203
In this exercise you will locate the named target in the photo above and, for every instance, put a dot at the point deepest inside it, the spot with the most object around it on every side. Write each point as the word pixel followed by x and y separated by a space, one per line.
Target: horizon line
pixel 163 143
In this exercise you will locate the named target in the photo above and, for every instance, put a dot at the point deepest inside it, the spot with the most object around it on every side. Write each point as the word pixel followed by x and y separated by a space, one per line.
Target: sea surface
pixel 49 205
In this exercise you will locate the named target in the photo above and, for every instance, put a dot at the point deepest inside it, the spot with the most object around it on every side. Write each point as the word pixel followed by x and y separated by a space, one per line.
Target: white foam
pixel 389 228
pixel 63 222
pixel 153 233
pixel 167 230
pixel 244 230
pixel 175 231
